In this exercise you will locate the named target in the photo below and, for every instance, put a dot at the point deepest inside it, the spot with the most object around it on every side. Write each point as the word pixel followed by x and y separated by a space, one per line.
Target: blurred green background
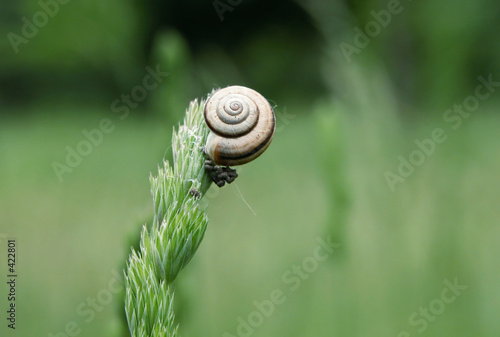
pixel 357 86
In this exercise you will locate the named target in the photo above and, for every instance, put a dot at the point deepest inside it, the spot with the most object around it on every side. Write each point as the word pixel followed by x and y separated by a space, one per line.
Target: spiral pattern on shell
pixel 242 125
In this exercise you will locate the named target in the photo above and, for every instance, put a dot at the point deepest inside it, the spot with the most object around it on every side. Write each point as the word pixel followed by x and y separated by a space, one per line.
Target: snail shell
pixel 242 125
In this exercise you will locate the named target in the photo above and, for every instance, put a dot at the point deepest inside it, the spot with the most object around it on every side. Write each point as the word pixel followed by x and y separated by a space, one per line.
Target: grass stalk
pixel 178 227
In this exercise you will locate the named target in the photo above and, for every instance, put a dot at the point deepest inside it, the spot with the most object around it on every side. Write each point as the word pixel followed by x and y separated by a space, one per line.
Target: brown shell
pixel 242 125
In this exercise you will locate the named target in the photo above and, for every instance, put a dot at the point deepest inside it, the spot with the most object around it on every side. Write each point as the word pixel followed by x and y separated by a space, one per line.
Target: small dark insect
pixel 195 193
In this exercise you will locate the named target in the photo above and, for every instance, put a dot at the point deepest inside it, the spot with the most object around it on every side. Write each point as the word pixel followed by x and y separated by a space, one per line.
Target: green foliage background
pixel 341 126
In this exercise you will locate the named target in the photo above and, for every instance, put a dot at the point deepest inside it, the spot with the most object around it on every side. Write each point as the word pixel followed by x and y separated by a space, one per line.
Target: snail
pixel 242 125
